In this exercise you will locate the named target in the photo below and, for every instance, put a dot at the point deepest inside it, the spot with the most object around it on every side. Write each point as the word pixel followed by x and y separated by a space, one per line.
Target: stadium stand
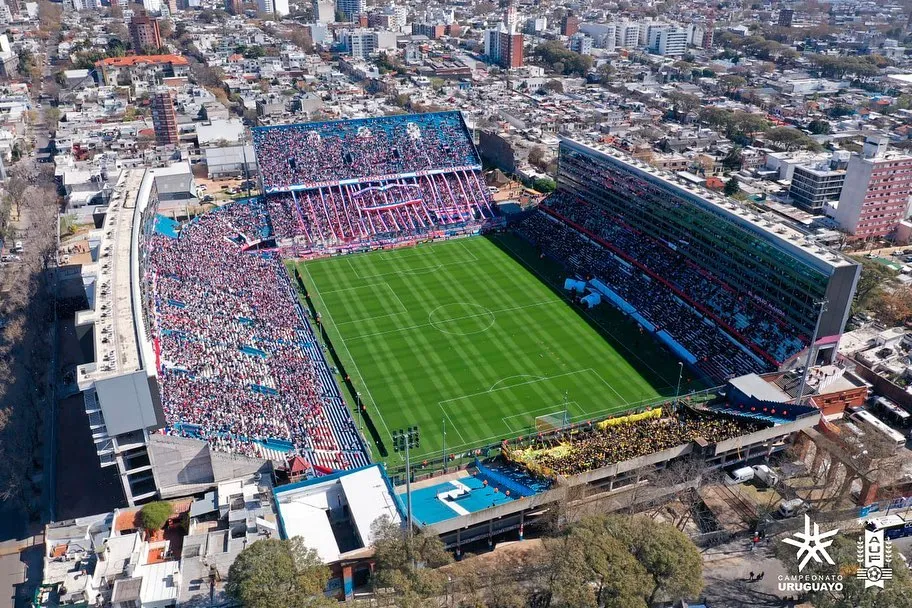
pixel 349 184
pixel 599 447
pixel 307 155
pixel 239 364
pixel 715 354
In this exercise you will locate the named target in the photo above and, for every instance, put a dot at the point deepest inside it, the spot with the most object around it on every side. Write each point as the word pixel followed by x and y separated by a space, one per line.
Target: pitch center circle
pixel 461 319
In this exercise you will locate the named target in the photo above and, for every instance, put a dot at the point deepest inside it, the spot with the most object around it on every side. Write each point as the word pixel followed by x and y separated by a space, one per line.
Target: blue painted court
pixel 453 499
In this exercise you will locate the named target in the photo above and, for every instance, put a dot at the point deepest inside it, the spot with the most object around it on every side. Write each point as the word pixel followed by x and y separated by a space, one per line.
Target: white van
pixel 793 507
pixel 766 475
pixel 738 476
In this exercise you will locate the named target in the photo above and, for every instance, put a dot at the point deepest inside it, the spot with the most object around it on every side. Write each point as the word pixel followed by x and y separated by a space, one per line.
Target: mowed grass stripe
pixel 409 366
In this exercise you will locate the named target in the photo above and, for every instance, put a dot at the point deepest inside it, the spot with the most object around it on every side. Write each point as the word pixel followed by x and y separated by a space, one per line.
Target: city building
pixel 603 34
pixel 324 11
pixel 152 6
pixel 277 8
pixel 581 43
pixel 670 42
pixel 363 42
pixel 152 68
pixel 164 118
pixel 570 25
pixel 145 32
pixel 234 7
pixel 627 35
pixel 350 8
pixel 813 187
pixel 786 16
pixel 875 196
pixel 504 48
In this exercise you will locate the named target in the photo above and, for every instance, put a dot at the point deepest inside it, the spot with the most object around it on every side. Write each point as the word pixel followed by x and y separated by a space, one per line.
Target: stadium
pixel 374 286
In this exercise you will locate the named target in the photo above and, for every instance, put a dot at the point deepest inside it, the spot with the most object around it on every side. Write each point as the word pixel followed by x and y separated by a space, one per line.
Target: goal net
pixel 552 422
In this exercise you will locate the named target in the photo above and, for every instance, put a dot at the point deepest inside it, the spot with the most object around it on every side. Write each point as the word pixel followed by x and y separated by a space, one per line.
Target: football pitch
pixel 474 335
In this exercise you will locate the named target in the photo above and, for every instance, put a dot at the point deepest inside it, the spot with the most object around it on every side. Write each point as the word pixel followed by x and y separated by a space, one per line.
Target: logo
pixel 812 545
pixel 875 555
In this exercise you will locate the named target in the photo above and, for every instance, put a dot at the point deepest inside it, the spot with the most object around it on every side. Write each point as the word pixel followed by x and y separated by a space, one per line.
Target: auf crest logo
pixel 875 555
pixel 812 545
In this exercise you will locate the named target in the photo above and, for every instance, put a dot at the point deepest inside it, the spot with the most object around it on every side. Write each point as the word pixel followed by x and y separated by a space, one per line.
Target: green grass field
pixel 475 332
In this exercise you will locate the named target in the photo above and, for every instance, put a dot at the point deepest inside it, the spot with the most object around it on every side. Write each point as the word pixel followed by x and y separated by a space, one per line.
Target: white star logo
pixel 812 545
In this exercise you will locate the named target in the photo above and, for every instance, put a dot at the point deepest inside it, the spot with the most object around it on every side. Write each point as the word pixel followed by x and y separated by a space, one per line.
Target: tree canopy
pixel 154 515
pixel 563 60
pixel 408 564
pixel 789 138
pixel 615 561
pixel 275 572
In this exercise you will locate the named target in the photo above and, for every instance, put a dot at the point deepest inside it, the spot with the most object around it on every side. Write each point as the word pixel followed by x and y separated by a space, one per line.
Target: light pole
pixel 403 440
pixel 443 452
pixel 678 389
pixel 360 413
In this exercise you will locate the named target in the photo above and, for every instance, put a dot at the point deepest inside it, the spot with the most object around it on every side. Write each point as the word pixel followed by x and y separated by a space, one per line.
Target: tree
pixel 731 83
pixel 617 561
pixel 683 103
pixel 589 553
pixel 874 278
pixel 820 127
pixel 731 187
pixel 791 139
pixel 408 564
pixel 276 572
pixel 544 184
pixel 536 156
pixel 154 515
pixel 671 558
pixel 893 307
pixel 554 85
pixel 734 159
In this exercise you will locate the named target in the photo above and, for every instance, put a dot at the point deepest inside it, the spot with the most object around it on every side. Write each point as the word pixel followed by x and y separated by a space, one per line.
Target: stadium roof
pixel 303 509
pixel 129 402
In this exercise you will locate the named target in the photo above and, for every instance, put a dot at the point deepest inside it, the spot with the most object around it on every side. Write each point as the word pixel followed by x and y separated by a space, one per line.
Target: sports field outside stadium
pixel 476 333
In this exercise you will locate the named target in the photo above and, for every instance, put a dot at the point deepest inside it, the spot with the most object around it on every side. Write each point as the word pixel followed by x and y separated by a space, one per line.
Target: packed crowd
pixel 308 154
pixel 351 214
pixel 239 364
pixel 743 315
pixel 601 447
pixel 715 354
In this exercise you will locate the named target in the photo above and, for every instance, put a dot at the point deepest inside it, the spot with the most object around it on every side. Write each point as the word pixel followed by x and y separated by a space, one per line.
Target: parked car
pixel 793 507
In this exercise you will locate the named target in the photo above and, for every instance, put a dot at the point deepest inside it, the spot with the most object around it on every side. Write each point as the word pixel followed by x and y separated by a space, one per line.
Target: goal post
pixel 551 422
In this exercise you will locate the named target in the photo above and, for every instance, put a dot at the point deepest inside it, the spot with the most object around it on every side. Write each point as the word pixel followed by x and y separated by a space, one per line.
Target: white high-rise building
pixel 324 11
pixel 581 43
pixel 671 42
pixel 649 33
pixel 277 8
pixel 604 35
pixel 152 6
pixel 628 35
